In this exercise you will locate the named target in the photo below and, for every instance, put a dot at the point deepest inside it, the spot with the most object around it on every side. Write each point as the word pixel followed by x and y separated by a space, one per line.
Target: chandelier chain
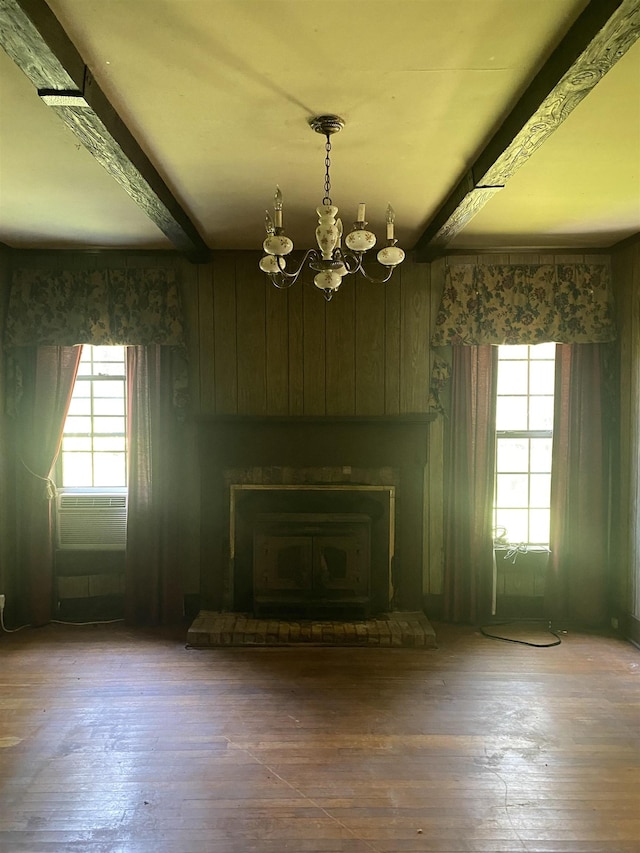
pixel 327 178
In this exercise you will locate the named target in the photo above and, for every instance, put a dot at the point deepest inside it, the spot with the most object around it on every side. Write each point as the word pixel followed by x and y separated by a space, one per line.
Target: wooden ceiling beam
pixel 34 39
pixel 603 33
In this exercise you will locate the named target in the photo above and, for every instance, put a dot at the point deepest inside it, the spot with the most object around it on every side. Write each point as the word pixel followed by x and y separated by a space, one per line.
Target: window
pixel 524 435
pixel 94 451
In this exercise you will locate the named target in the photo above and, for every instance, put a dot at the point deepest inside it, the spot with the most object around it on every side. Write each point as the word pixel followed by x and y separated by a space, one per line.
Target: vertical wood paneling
pixel 204 355
pixel 414 353
pixel 296 350
pixel 251 335
pixel 626 282
pixel 8 453
pixel 225 342
pixel 340 351
pixel 314 351
pixel 634 433
pixel 392 327
pixel 432 569
pixel 277 350
pixel 370 348
pixel 188 275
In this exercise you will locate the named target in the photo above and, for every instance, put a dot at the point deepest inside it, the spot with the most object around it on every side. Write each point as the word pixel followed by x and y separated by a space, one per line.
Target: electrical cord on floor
pixel 10 630
pixel 83 624
pixel 6 630
pixel 556 642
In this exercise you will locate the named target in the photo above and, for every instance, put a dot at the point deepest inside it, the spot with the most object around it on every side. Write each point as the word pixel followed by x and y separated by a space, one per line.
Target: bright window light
pixel 94 442
pixel 524 436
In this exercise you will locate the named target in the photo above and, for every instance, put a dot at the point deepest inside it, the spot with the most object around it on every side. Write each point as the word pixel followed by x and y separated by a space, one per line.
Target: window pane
pixel 108 353
pixel 512 376
pixel 511 413
pixel 512 490
pixel 81 425
pixel 539 520
pixel 509 351
pixel 109 443
pixel 107 368
pixel 541 413
pixel 75 443
pixel 109 469
pixel 540 490
pixel 541 377
pixel 514 522
pixel 109 425
pixel 512 454
pixel 77 469
pixel 109 406
pixel 79 406
pixel 109 388
pixel 543 351
pixel 541 454
pixel 82 388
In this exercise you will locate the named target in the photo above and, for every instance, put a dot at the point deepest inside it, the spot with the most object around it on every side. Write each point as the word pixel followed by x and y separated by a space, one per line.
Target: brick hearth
pixel 398 629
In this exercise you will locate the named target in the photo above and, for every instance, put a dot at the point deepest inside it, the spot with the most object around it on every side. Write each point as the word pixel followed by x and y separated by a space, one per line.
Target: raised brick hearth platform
pixel 393 630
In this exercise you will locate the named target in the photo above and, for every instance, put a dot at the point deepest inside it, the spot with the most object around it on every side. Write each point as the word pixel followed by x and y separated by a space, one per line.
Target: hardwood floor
pixel 118 740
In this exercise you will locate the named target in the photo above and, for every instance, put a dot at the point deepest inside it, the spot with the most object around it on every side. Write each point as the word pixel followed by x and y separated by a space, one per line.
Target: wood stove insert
pixel 311 551
pixel 312 564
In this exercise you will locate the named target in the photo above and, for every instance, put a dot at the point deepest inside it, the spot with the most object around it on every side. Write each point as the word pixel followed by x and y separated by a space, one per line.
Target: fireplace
pixel 311 550
pixel 313 516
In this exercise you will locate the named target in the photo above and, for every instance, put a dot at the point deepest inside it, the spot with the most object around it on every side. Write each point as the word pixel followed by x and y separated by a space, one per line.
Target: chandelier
pixel 330 261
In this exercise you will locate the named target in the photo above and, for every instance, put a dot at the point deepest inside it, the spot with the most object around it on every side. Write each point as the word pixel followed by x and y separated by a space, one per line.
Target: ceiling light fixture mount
pixel 330 261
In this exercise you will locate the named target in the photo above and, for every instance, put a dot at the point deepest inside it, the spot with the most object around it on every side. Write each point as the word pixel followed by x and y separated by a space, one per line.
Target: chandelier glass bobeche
pixel 330 261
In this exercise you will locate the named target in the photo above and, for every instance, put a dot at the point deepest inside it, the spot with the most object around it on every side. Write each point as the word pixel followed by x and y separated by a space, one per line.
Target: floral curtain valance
pixel 525 304
pixel 137 306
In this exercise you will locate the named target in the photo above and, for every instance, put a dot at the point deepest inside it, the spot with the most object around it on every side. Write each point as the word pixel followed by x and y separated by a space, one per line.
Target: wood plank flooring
pixel 120 741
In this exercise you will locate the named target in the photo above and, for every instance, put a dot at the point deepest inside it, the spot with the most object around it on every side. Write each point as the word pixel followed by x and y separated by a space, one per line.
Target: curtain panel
pixel 578 582
pixel 153 565
pixel 468 488
pixel 49 376
pixel 525 304
pixel 59 310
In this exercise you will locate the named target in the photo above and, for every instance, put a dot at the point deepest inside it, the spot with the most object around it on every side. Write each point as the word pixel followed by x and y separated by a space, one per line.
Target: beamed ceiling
pixel 166 124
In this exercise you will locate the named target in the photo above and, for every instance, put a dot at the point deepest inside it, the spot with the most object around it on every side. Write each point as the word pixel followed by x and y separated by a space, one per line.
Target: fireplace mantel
pixel 344 447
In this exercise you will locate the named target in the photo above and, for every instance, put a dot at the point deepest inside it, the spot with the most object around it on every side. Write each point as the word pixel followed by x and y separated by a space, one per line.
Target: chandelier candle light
pixel 330 261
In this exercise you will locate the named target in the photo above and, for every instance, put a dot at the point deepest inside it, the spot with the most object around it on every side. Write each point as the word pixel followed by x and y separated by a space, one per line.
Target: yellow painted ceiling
pixel 218 94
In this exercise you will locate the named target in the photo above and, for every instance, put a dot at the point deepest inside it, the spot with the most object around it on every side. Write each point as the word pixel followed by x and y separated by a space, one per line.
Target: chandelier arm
pixel 351 260
pixel 310 253
pixel 376 280
pixel 279 281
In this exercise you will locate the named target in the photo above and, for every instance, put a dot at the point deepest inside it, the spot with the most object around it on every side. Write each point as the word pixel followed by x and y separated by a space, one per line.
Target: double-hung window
pixel 94 442
pixel 524 436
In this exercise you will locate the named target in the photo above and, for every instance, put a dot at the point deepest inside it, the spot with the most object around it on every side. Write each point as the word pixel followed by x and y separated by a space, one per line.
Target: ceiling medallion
pixel 330 260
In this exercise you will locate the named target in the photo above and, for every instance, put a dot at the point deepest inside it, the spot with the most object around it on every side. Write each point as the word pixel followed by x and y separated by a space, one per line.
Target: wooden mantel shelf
pixel 410 419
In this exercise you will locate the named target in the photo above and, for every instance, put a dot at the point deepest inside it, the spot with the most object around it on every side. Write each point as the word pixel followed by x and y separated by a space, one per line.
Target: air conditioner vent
pixel 91 521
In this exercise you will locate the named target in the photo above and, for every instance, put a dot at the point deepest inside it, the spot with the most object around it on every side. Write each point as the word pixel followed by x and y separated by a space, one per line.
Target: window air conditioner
pixel 91 521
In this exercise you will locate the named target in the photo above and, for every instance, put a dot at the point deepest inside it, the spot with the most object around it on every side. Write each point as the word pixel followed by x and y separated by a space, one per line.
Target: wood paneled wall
pixel 7 449
pixel 255 350
pixel 263 351
pixel 626 278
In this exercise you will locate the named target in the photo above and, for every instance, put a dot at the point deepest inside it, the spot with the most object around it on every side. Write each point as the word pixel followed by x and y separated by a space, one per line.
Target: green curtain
pixel 111 307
